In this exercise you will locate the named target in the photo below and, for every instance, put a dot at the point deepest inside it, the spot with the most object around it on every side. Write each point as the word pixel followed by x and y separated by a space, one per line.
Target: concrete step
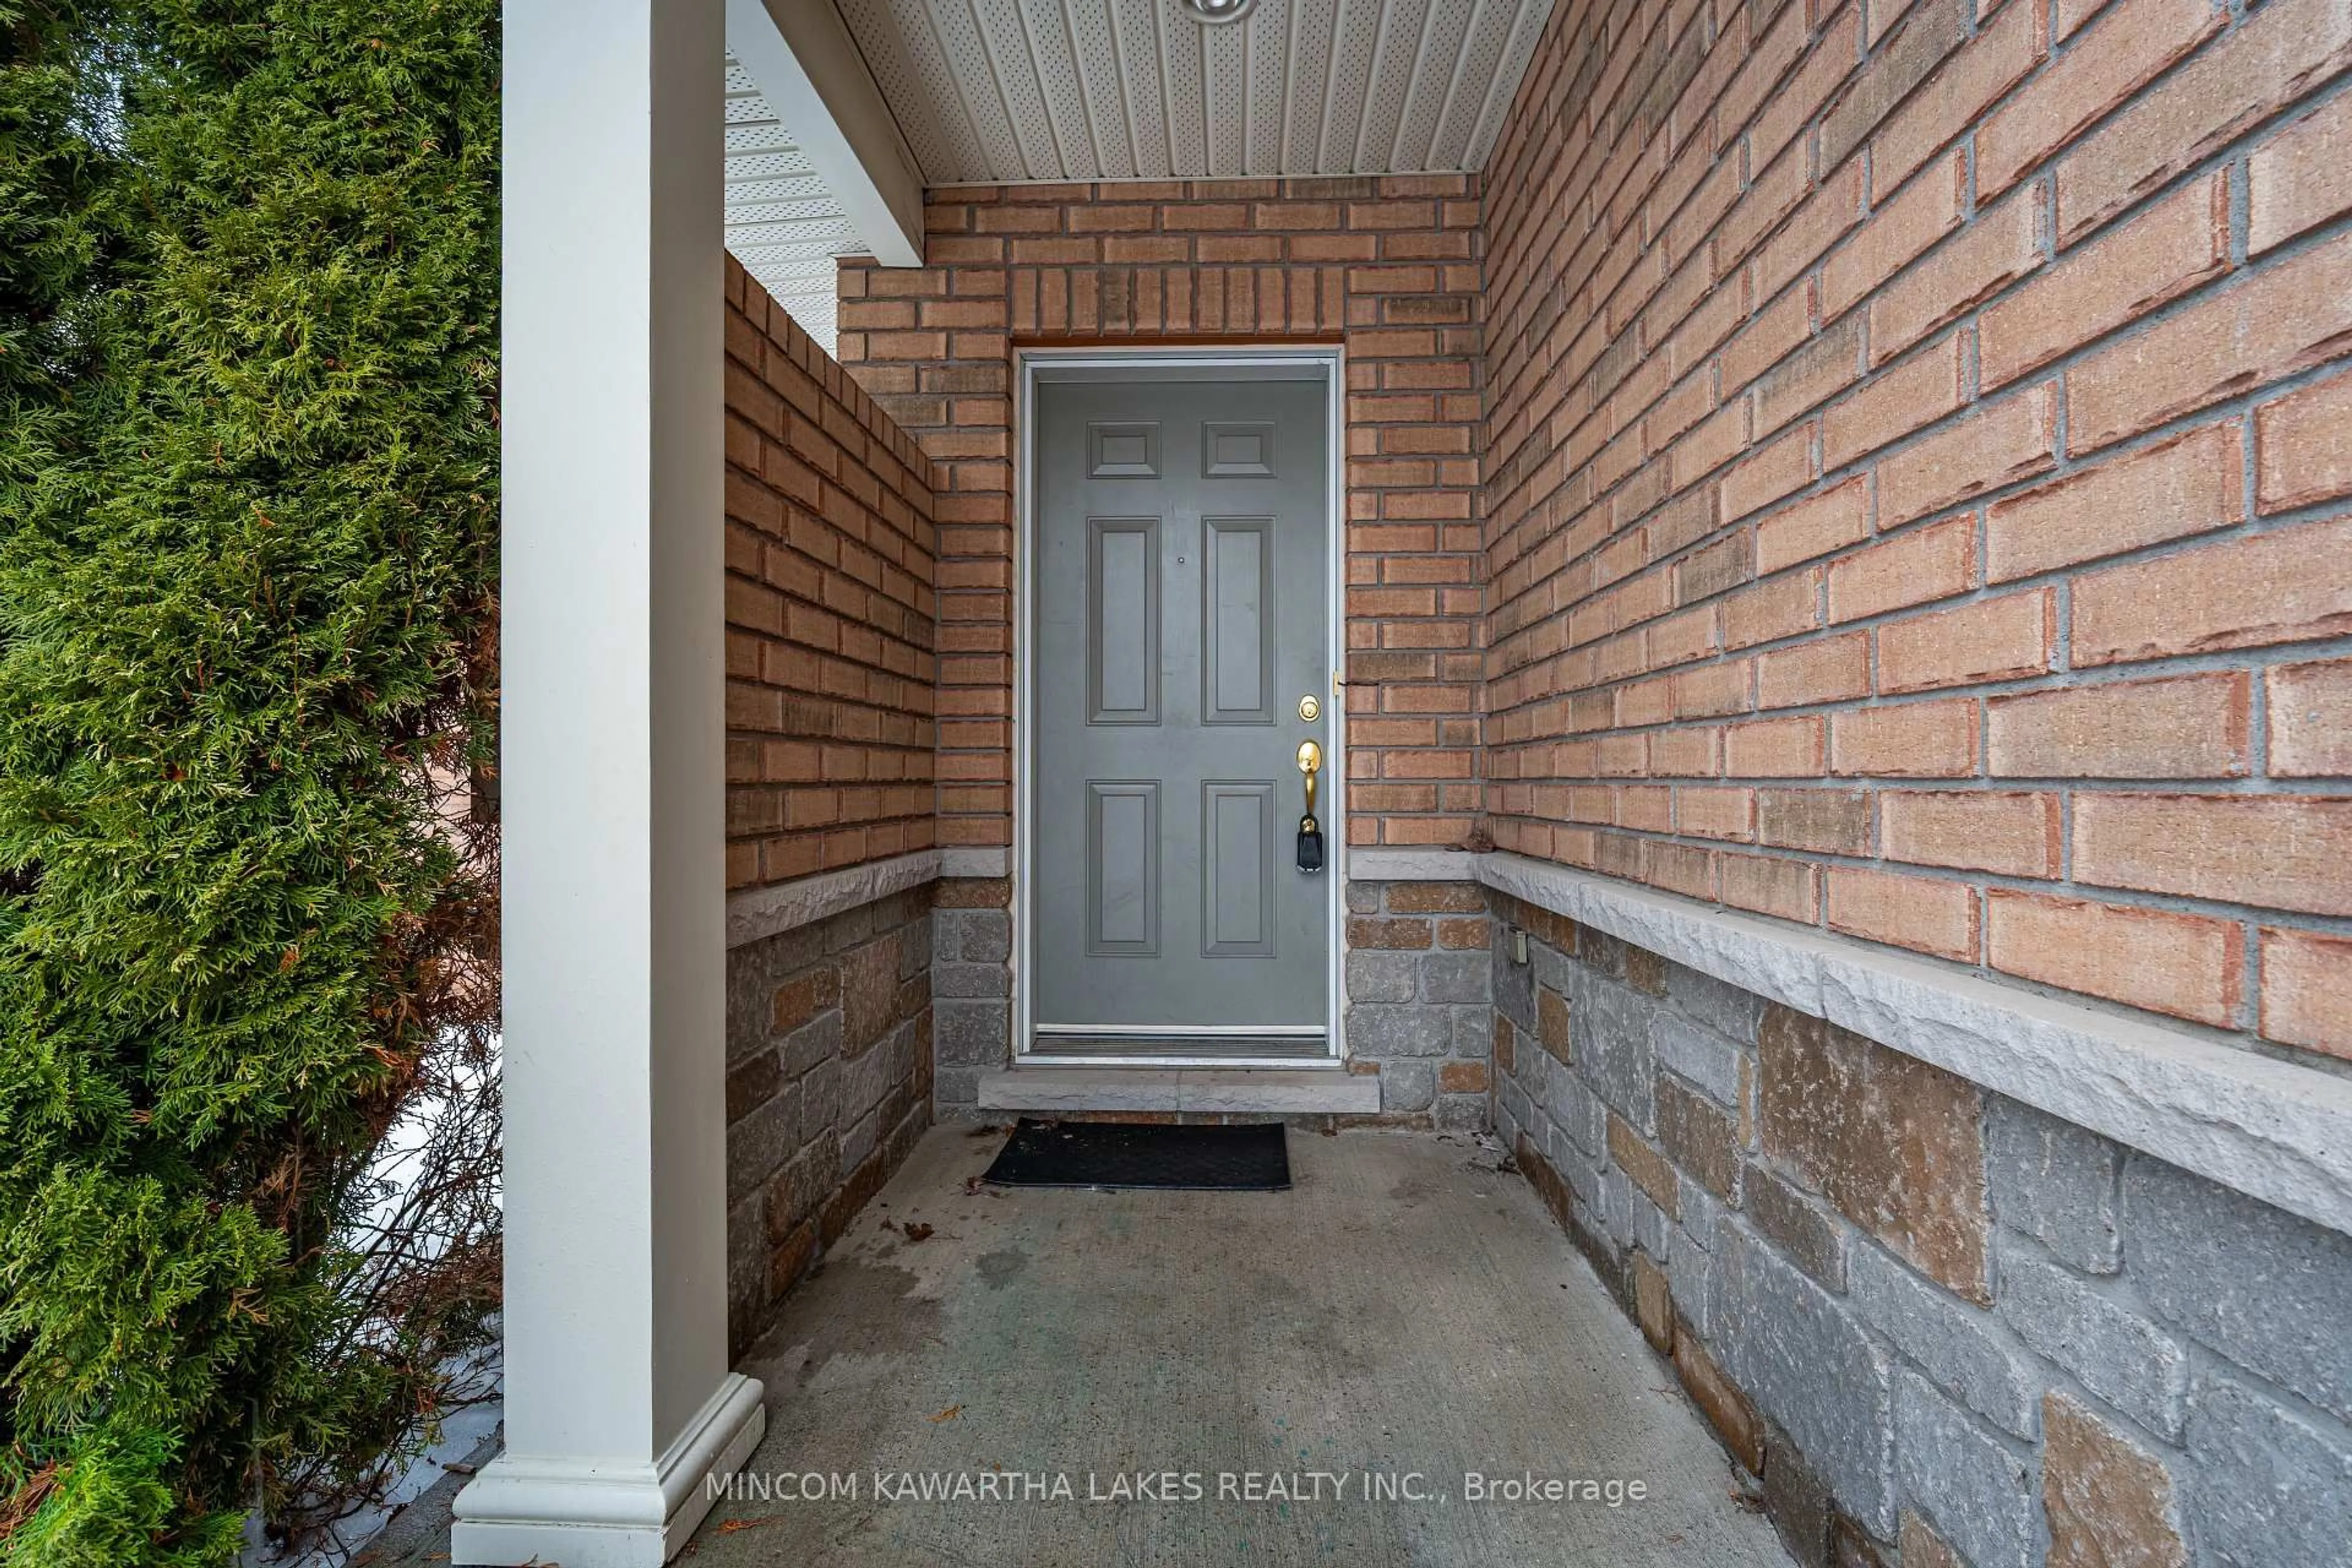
pixel 1200 1091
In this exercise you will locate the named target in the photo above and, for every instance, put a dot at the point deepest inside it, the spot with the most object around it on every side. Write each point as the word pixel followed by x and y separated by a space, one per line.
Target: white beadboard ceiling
pixel 989 90
pixel 782 224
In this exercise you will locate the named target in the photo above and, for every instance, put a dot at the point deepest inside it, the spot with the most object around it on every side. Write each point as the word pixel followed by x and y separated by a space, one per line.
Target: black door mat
pixel 1129 1154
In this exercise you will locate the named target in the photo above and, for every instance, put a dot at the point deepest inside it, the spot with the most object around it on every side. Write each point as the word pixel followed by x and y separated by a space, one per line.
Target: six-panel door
pixel 1181 590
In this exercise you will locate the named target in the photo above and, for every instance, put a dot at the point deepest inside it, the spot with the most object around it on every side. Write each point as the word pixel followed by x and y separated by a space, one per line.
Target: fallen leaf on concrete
pixel 916 1232
pixel 729 1526
pixel 950 1414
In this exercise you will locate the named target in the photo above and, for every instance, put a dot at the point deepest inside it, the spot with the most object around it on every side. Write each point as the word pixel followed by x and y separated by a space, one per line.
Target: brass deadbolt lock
pixel 1309 709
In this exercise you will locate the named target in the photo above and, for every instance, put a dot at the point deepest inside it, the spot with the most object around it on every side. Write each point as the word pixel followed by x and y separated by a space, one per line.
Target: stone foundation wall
pixel 1419 1013
pixel 828 1085
pixel 1926 1318
pixel 972 977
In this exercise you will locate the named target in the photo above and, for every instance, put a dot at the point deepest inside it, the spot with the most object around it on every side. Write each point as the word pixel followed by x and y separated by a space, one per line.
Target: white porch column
pixel 619 1400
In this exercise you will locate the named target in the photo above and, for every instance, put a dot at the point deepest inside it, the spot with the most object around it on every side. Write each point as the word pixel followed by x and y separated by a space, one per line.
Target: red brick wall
pixel 830 610
pixel 1916 455
pixel 1387 268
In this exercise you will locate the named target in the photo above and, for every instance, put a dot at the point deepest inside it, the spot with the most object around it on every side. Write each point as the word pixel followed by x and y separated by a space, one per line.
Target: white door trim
pixel 1034 364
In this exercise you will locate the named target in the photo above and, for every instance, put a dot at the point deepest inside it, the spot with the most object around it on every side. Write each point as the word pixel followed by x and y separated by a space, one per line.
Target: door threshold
pixel 1137 1063
pixel 1168 1048
pixel 1310 1053
pixel 1223 1087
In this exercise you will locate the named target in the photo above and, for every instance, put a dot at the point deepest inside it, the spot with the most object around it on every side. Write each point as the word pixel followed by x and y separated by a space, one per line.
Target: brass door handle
pixel 1310 832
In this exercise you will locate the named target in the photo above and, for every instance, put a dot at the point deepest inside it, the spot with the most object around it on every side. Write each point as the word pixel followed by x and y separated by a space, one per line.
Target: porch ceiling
pixel 989 90
pixel 782 224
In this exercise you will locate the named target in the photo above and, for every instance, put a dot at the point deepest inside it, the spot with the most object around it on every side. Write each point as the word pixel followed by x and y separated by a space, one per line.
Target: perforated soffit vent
pixel 783 225
pixel 1113 89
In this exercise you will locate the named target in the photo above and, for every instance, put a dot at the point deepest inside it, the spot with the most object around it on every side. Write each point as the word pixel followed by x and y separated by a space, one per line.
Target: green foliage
pixel 54 182
pixel 112 1505
pixel 249 277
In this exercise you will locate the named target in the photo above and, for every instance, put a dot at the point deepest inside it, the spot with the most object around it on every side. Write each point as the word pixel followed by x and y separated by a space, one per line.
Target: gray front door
pixel 1181 603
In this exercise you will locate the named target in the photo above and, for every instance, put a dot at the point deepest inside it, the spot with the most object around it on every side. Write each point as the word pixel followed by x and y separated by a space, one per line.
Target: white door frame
pixel 1034 364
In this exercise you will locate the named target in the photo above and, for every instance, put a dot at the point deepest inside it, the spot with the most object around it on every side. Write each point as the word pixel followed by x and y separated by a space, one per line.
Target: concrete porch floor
pixel 1404 1308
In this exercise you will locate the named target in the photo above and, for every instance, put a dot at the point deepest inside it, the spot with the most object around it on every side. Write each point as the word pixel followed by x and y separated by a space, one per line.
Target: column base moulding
pixel 584 1514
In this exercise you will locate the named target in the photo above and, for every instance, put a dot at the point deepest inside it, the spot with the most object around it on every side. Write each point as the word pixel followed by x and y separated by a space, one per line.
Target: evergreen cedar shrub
pixel 249 290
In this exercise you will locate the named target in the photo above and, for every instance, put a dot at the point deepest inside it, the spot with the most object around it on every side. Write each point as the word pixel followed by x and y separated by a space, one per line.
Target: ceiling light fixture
pixel 1217 13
